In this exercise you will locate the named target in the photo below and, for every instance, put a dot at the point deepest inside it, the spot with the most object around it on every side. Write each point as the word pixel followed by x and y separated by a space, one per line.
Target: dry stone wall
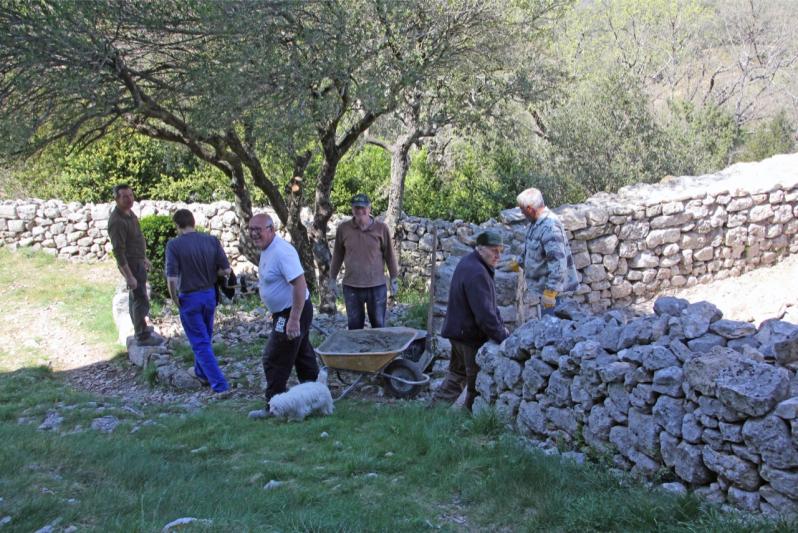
pixel 680 394
pixel 628 246
pixel 80 231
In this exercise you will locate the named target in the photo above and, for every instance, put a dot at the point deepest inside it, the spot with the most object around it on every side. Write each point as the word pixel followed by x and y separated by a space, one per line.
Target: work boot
pixel 150 340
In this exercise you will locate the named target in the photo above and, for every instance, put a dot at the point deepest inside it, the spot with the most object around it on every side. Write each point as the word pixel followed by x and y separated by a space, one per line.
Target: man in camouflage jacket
pixel 547 260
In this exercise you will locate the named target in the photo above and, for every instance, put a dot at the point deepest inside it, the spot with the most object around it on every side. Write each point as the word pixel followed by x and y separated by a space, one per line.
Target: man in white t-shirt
pixel 284 291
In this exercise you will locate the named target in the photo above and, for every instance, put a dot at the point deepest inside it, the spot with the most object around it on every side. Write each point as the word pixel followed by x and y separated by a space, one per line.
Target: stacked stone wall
pixel 631 246
pixel 682 394
pixel 628 246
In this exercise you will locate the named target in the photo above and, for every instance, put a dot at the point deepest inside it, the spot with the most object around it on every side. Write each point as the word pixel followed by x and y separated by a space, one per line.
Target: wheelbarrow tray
pixel 365 350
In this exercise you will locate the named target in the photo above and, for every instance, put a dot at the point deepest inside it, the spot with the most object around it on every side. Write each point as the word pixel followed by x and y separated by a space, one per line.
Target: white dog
pixel 301 400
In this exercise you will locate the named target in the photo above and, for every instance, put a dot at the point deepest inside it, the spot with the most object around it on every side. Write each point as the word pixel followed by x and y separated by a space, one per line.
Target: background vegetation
pixel 635 90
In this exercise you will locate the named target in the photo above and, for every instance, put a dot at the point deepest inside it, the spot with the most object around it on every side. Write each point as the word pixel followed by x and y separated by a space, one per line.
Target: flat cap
pixel 489 238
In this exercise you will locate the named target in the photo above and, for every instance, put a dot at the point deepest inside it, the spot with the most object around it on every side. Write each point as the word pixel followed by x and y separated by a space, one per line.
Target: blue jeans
pixel 375 299
pixel 196 314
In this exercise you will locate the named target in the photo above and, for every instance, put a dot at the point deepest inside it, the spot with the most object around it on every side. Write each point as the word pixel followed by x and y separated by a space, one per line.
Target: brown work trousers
pixel 462 372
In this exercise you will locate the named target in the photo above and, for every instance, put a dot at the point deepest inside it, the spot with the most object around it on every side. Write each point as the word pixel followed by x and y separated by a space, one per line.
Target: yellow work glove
pixel 511 266
pixel 549 298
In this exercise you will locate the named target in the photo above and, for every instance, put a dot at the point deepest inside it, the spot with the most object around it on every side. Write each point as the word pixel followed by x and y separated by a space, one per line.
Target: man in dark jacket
pixel 472 317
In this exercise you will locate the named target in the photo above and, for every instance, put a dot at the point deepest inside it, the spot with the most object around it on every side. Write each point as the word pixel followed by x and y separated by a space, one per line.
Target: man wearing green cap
pixel 472 317
pixel 363 246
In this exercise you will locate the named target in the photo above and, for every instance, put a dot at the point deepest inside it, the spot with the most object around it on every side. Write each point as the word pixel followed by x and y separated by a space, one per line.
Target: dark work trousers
pixel 196 314
pixel 375 300
pixel 281 353
pixel 138 302
pixel 462 372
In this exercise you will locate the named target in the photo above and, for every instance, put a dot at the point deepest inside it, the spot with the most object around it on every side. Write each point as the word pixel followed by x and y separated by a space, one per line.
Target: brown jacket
pixel 364 254
pixel 126 238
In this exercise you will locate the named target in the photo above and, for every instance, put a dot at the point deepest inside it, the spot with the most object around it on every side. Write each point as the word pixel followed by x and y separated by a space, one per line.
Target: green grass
pixel 381 468
pixel 70 295
pixel 417 301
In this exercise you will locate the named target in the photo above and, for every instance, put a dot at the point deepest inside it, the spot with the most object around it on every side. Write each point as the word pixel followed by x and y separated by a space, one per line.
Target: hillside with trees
pixel 441 109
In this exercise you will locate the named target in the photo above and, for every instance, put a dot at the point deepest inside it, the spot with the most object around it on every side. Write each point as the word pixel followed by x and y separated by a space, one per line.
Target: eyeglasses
pixel 258 231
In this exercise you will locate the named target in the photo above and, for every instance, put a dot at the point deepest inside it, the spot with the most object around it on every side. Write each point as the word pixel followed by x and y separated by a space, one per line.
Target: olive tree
pixel 241 84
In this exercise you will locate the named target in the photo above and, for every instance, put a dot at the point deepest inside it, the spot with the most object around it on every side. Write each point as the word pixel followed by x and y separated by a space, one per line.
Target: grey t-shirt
pixel 278 266
pixel 194 259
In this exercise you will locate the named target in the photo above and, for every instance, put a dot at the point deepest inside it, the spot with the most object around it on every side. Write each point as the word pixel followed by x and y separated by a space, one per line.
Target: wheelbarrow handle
pixel 405 381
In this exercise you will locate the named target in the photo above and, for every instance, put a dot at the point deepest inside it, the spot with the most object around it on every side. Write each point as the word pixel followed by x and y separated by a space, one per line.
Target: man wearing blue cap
pixel 363 246
pixel 472 317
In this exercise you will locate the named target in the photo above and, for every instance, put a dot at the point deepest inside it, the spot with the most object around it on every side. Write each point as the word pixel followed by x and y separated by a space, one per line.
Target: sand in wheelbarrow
pixel 365 341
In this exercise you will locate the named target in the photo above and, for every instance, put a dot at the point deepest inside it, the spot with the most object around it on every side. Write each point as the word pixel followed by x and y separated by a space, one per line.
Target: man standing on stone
pixel 363 245
pixel 472 317
pixel 131 259
pixel 547 261
pixel 283 289
pixel 193 262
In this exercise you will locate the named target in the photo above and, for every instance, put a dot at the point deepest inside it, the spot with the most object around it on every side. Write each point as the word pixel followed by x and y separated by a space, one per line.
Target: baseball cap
pixel 361 200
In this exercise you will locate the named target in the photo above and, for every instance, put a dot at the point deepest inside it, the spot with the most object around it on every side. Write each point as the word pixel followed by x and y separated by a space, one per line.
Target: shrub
pixel 157 230
pixel 777 136
pixel 154 169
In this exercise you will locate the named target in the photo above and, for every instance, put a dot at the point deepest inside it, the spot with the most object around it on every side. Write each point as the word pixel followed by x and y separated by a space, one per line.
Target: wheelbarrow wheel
pixel 405 370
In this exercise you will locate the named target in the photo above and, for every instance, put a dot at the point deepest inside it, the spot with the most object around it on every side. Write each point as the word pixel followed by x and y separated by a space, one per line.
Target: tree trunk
pixel 400 165
pixel 294 193
pixel 318 234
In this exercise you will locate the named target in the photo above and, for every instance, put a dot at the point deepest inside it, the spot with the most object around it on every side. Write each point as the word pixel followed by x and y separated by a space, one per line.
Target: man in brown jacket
pixel 363 246
pixel 131 259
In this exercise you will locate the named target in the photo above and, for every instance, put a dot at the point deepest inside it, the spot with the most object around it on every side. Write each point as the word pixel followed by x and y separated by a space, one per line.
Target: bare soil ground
pixel 93 366
pixel 756 296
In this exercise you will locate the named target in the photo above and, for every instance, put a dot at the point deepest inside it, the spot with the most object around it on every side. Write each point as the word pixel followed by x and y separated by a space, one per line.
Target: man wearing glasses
pixel 285 293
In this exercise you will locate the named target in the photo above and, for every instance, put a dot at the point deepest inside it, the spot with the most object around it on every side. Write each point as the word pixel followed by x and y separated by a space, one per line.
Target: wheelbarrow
pixel 396 354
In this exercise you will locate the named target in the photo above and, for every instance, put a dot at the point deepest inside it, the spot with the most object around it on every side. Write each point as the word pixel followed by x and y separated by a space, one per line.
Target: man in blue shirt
pixel 193 262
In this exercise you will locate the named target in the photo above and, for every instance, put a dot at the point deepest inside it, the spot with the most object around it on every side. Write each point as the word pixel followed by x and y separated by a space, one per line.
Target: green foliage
pixel 417 308
pixel 365 171
pixel 702 139
pixel 154 169
pixel 157 230
pixel 775 136
pixel 471 188
pixel 604 137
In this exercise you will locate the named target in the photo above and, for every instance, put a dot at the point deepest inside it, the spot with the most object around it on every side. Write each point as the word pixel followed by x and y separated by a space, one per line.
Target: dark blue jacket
pixel 472 316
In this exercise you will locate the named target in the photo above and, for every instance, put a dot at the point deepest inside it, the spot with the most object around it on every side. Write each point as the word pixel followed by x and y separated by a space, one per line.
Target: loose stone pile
pixel 711 402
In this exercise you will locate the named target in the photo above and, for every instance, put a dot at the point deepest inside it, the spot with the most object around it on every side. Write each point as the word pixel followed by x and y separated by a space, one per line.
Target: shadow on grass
pixel 370 467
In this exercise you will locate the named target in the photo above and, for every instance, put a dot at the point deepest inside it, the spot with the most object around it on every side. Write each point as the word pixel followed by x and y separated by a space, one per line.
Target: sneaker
pixel 224 394
pixel 194 375
pixel 149 340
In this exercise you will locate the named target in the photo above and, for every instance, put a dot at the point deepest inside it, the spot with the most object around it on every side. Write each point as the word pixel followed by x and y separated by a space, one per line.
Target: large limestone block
pixel 752 387
pixel 702 372
pixel 531 418
pixel 770 437
pixel 668 413
pixel 739 472
pixel 785 482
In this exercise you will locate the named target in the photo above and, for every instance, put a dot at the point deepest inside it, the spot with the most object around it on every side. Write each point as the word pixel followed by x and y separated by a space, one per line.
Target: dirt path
pixel 753 297
pixel 45 335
